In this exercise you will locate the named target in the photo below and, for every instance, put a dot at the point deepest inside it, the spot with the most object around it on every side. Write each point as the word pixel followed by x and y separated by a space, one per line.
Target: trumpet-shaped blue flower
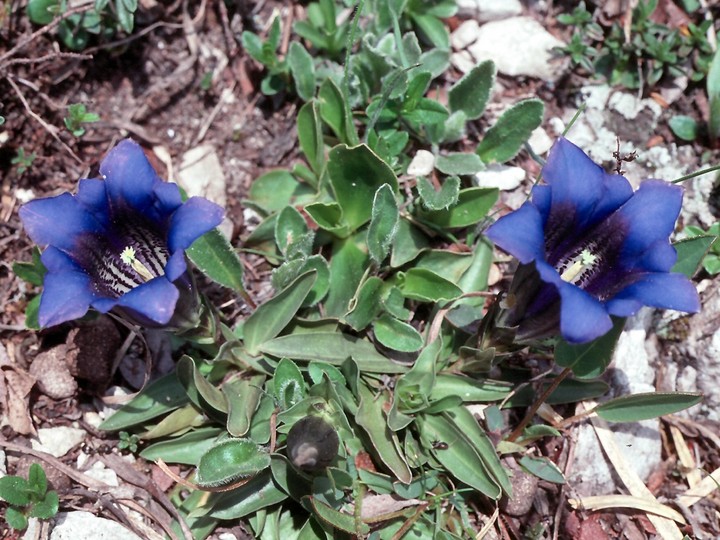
pixel 589 247
pixel 118 243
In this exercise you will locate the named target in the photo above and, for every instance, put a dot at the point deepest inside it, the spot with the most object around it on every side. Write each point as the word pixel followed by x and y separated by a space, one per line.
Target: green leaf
pixel 355 175
pixel 31 313
pixel 713 92
pixel 409 243
pixel 503 141
pixel 472 206
pixel 331 347
pixel 427 112
pixel 426 286
pixel 334 111
pixel 543 468
pixel 691 252
pixel 288 383
pixel 589 360
pixel 347 267
pixel 310 137
pixel 637 407
pixel 260 492
pixel 230 460
pixel 413 388
pixel 277 189
pixel 213 255
pixel 243 398
pixel 337 519
pixel 432 30
pixel 46 508
pixel 329 217
pixel 185 449
pixel 471 93
pixel 302 68
pixel 460 457
pixel 383 223
pixel 459 163
pixel 32 272
pixel 439 200
pixel 156 399
pixel 292 235
pixel 15 490
pixel 125 16
pixel 684 127
pixel 371 417
pixel 15 518
pixel 42 12
pixel 198 387
pixel 469 390
pixel 397 335
pixel 269 319
pixel 366 304
pixel 37 481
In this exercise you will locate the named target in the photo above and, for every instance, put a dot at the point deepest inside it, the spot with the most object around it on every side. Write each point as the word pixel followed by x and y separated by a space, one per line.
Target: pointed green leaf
pixel 690 253
pixel 409 242
pixel 269 319
pixel 426 286
pixel 243 397
pixel 503 141
pixel 292 235
pixel 310 136
pixel 260 492
pixel 439 200
pixel 459 163
pixel 302 68
pixel 186 449
pixel 472 207
pixel 589 360
pixel 543 468
pixel 288 383
pixel 367 304
pixel 397 335
pixel 637 407
pixel 355 175
pixel 347 267
pixel 213 255
pixel 199 390
pixel 471 93
pixel 277 189
pixel 230 460
pixel 383 223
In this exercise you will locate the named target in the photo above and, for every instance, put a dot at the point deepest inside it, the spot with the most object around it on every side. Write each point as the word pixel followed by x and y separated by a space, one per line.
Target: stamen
pixel 128 257
pixel 581 263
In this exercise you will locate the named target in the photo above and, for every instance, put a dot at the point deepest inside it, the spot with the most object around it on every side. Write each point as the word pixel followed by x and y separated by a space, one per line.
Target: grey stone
pixel 57 441
pixel 87 526
pixel 500 176
pixel 489 10
pixel 519 46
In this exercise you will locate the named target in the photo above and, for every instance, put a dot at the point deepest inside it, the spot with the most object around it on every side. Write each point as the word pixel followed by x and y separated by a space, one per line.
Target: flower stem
pixel 696 173
pixel 543 397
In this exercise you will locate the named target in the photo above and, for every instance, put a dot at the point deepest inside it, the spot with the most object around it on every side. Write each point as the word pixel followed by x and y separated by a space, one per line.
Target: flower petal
pixel 92 196
pixel 57 221
pixel 193 219
pixel 582 317
pixel 67 292
pixel 155 300
pixel 129 177
pixel 168 198
pixel 520 233
pixel 176 265
pixel 660 290
pixel 649 216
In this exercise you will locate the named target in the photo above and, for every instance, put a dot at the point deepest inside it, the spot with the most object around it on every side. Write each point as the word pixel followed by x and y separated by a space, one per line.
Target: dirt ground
pixel 149 86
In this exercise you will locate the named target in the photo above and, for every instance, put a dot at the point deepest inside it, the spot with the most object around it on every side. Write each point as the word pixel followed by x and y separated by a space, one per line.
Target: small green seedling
pixel 128 441
pixel 77 116
pixel 711 261
pixel 22 160
pixel 28 498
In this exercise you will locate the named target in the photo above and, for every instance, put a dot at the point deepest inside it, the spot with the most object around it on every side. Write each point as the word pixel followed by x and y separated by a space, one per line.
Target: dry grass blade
pixel 709 484
pixel 603 502
pixel 686 458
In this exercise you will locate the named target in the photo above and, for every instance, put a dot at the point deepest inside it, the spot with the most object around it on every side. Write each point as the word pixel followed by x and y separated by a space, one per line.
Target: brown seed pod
pixel 312 443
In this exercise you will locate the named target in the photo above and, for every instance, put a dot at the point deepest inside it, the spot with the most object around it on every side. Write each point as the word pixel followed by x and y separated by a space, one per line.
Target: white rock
pixel 500 176
pixel 465 34
pixel 519 46
pixel 422 164
pixel 540 141
pixel 631 373
pixel 24 195
pixel 87 526
pixel 463 61
pixel 57 441
pixel 98 471
pixel 3 464
pixel 489 10
pixel 201 174
pixel 34 529
pixel 629 105
pixel 105 409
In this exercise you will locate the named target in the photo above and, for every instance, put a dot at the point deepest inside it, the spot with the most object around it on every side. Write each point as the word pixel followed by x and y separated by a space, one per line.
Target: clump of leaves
pixel 653 51
pixel 104 19
pixel 128 441
pixel 28 498
pixel 22 160
pixel 77 116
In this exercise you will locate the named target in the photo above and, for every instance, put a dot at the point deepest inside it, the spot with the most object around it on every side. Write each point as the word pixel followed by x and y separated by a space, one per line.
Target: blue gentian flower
pixel 119 244
pixel 589 247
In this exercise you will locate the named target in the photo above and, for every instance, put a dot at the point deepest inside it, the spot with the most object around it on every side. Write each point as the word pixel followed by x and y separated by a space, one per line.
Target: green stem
pixel 696 173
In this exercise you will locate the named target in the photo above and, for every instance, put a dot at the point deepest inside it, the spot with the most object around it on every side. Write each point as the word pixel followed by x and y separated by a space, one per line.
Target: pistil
pixel 582 262
pixel 128 257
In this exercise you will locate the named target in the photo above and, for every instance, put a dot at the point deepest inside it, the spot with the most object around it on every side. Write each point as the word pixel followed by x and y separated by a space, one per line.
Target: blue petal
pixel 660 290
pixel 616 192
pixel 520 233
pixel 93 197
pixel 67 292
pixel 129 177
pixel 193 219
pixel 57 221
pixel 573 177
pixel 542 199
pixel 582 317
pixel 176 265
pixel 155 300
pixel 167 198
pixel 649 216
pixel 659 257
